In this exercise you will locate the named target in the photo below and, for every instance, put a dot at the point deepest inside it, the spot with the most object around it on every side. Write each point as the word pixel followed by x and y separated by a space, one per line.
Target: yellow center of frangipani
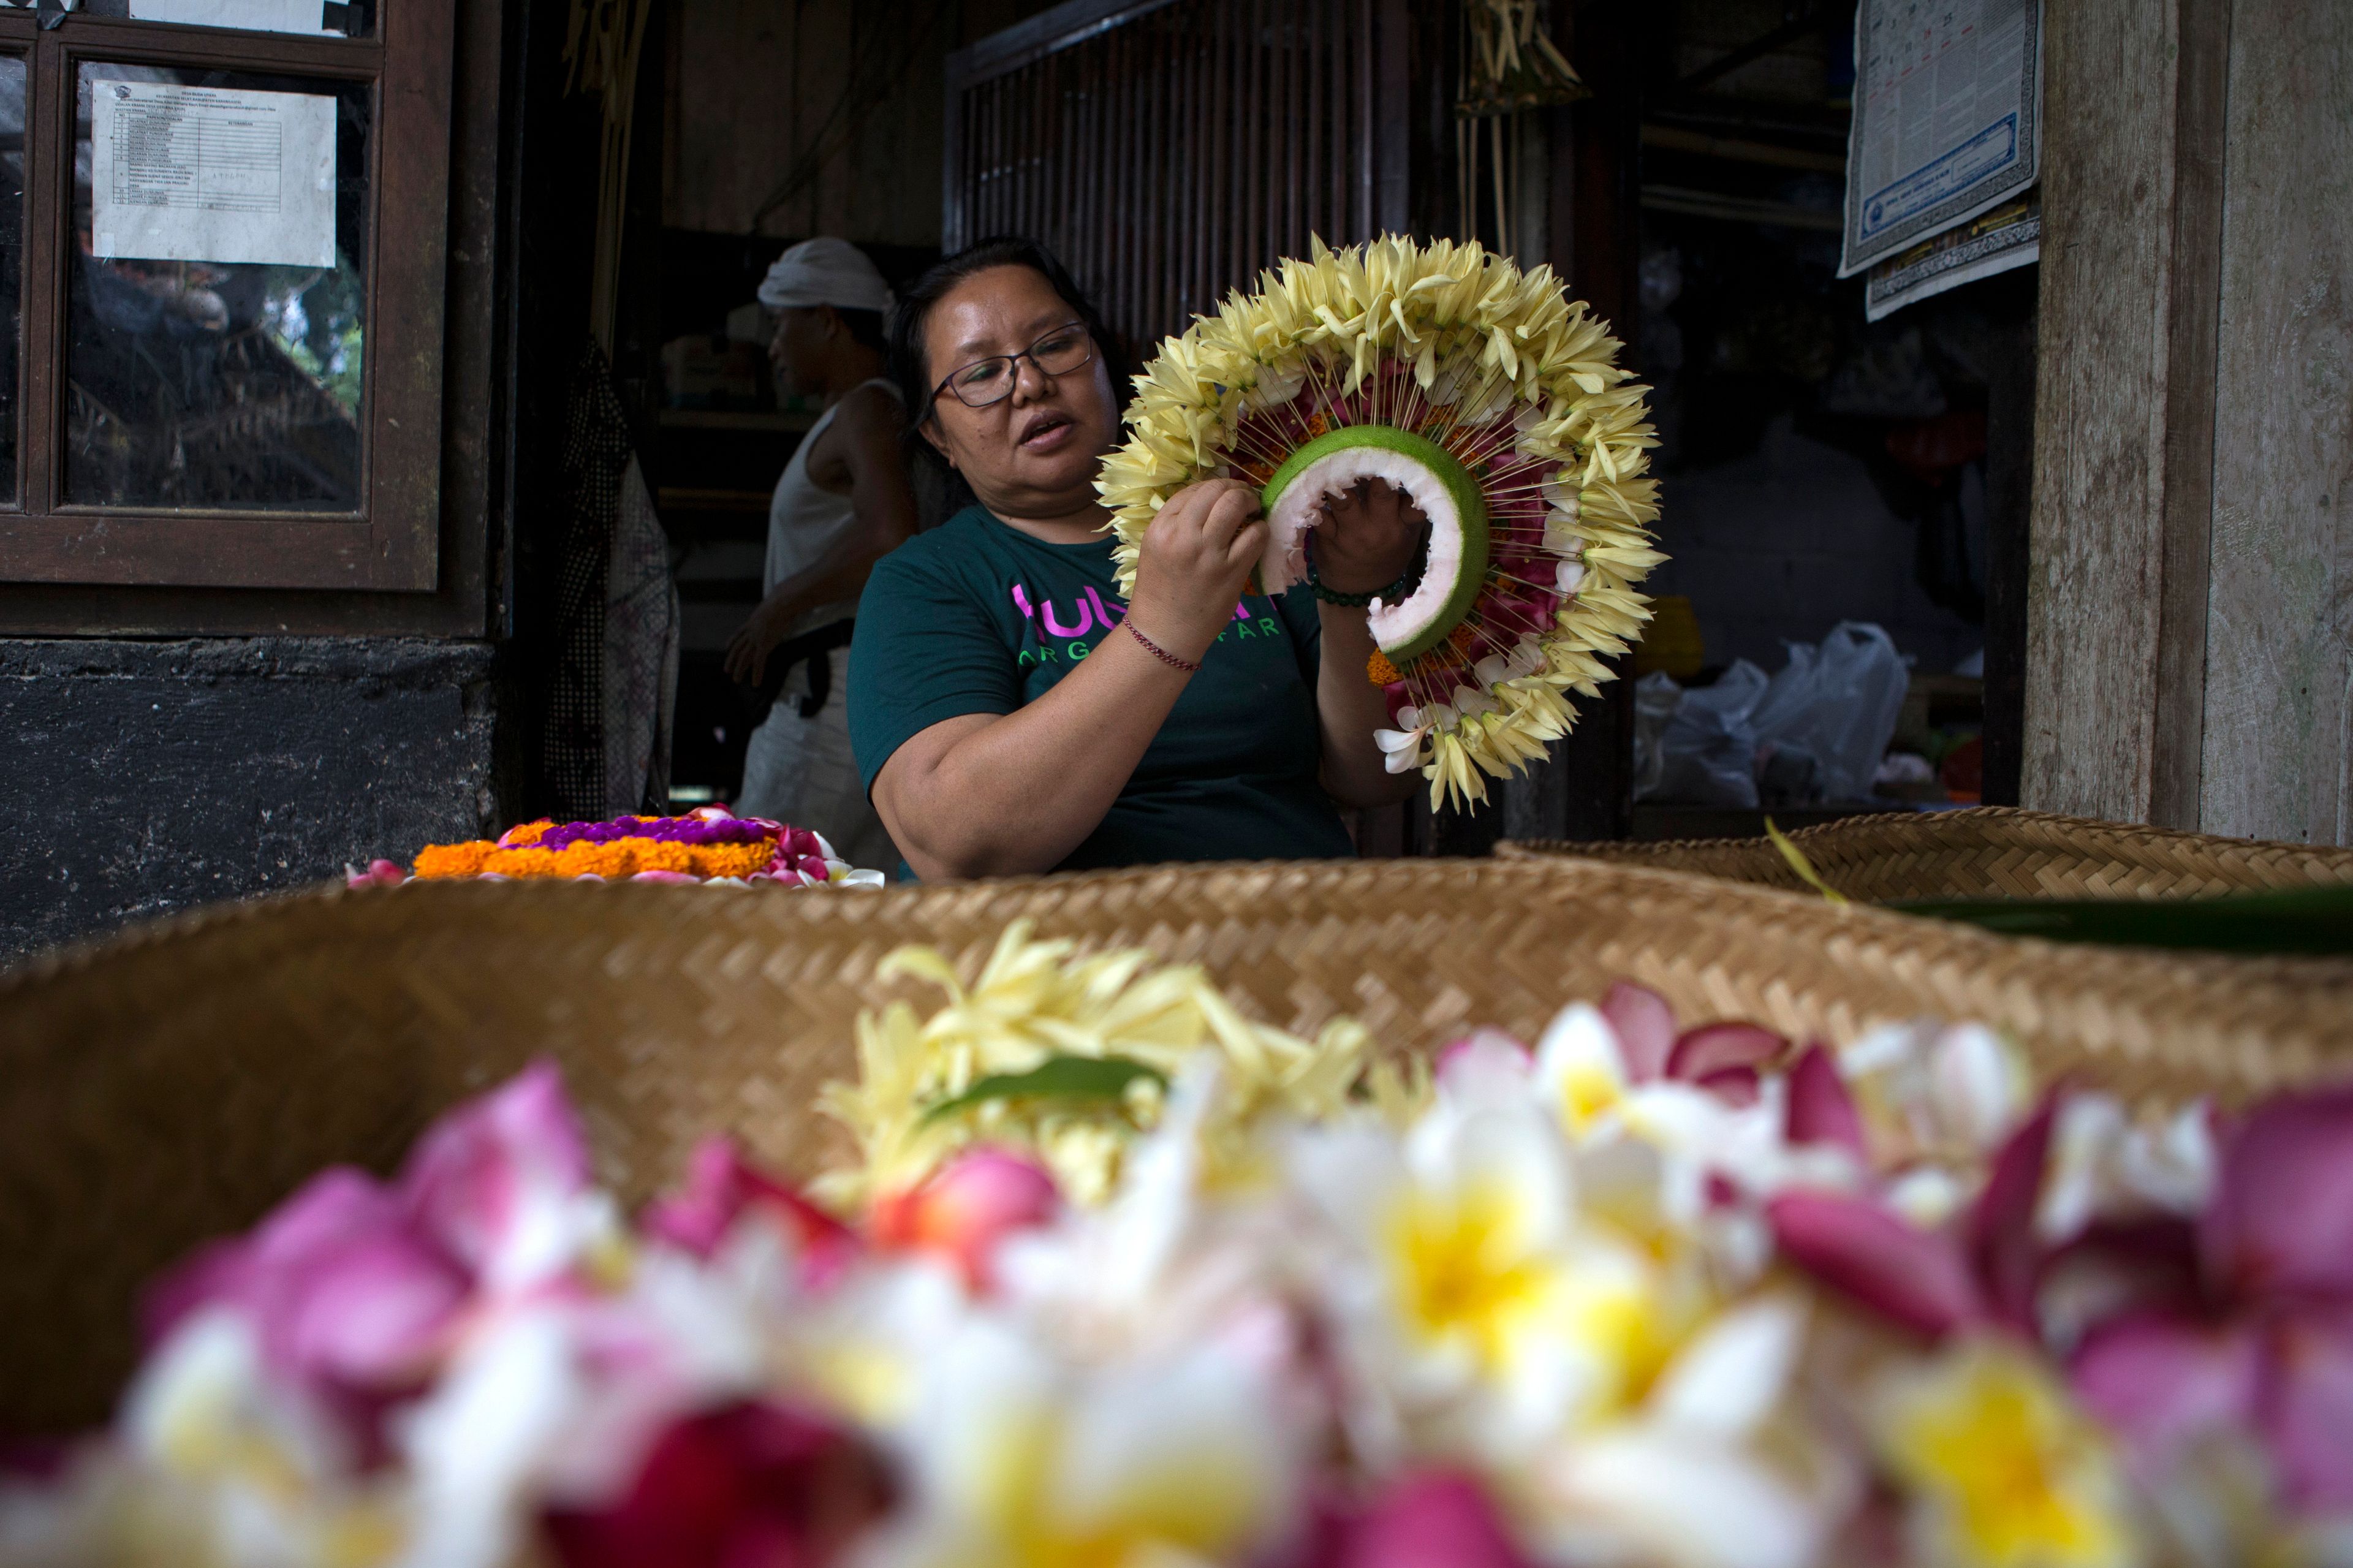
pixel 1464 1273
pixel 1468 1274
pixel 1588 1090
pixel 1188 1506
pixel 2019 1478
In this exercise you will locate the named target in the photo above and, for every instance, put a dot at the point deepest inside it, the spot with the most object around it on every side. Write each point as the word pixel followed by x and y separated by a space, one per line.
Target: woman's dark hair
pixel 908 364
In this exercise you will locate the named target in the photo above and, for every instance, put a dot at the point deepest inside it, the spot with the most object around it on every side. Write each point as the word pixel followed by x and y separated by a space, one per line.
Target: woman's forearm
pixel 1006 796
pixel 1349 708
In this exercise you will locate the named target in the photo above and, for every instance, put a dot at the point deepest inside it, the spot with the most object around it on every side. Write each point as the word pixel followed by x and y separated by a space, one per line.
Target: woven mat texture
pixel 173 1083
pixel 1985 852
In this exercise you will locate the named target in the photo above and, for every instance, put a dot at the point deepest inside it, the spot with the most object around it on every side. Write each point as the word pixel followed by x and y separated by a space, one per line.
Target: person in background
pixel 843 503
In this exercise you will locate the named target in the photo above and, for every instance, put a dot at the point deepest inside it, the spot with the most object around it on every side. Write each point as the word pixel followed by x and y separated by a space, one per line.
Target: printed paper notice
pixel 1948 118
pixel 253 16
pixel 201 174
pixel 2010 235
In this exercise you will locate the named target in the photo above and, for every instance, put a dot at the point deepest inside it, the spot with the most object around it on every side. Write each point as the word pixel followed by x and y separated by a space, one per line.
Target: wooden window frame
pixel 391 543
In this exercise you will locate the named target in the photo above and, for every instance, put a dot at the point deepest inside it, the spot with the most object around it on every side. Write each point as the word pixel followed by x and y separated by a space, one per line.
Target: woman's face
pixel 1036 453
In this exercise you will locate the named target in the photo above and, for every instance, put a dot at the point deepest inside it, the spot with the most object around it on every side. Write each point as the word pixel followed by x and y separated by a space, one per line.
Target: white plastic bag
pixel 1837 703
pixel 1707 747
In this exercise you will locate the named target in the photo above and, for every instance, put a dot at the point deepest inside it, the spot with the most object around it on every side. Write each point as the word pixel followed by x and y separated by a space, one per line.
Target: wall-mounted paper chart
pixel 254 16
pixel 202 173
pixel 1947 118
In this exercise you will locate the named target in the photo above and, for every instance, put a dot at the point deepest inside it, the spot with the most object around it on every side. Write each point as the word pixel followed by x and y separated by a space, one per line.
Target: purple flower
pixel 664 829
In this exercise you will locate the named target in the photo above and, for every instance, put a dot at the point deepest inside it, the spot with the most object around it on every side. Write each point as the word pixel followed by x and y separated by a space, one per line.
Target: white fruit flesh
pixel 1441 596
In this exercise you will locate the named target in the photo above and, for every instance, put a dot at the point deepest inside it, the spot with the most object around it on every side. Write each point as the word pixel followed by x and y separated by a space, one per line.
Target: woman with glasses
pixel 1009 713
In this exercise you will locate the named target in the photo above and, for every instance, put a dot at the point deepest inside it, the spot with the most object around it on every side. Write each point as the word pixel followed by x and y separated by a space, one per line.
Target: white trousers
pixel 800 771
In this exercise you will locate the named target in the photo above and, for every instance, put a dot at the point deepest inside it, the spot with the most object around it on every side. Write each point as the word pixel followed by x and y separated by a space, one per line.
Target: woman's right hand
pixel 1196 556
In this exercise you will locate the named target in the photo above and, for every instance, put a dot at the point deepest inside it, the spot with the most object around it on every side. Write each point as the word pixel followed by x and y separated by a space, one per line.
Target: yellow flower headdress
pixel 1444 361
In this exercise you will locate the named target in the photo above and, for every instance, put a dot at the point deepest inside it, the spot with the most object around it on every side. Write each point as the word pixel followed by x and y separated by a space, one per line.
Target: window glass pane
pixel 335 18
pixel 12 257
pixel 217 308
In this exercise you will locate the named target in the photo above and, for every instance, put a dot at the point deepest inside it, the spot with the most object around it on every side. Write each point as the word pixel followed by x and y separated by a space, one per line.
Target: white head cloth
pixel 824 271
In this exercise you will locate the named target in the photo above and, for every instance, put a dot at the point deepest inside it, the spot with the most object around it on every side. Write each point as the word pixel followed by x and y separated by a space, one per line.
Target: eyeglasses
pixel 992 380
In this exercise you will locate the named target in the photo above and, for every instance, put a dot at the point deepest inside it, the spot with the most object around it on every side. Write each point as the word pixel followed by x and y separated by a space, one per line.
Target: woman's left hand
pixel 1366 538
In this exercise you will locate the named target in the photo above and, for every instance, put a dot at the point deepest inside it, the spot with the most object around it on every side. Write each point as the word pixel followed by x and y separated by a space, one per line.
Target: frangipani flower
pixel 503 1185
pixel 338 1287
pixel 1686 1478
pixel 215 1463
pixel 1401 747
pixel 1697 1096
pixel 1934 1093
pixel 2006 1471
pixel 1982 1270
pixel 357 1290
pixel 1019 1462
pixel 1486 1308
pixel 2105 1166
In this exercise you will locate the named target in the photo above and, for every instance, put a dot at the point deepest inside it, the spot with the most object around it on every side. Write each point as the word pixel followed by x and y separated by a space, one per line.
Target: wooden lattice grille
pixel 1168 152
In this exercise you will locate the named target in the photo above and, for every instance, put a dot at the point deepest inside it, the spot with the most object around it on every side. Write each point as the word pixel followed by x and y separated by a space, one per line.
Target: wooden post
pixel 2279 640
pixel 2191 603
pixel 2124 407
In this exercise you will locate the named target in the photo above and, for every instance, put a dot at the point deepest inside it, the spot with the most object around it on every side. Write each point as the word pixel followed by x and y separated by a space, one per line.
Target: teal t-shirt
pixel 978 617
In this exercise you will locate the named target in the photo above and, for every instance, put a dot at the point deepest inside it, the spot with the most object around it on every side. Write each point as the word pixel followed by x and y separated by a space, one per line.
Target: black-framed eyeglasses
pixel 992 380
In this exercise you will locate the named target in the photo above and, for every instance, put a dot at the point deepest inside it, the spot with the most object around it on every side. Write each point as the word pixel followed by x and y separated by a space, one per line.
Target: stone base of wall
pixel 147 777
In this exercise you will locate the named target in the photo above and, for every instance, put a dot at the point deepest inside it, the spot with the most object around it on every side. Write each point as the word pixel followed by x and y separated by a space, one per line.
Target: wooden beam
pixel 2277 755
pixel 1738 150
pixel 2124 407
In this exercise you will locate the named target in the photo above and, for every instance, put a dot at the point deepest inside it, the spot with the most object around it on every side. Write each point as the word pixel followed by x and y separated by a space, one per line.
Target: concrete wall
pixel 147 777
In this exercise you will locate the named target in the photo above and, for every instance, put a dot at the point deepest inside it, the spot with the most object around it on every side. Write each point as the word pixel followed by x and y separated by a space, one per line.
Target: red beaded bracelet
pixel 1156 651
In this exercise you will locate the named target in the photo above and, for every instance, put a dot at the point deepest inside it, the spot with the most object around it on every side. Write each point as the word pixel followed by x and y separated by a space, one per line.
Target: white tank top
pixel 805 519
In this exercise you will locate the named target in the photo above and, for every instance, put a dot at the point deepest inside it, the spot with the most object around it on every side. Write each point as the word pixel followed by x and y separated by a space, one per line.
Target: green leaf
pixel 1056 1078
pixel 1801 864
pixel 2318 921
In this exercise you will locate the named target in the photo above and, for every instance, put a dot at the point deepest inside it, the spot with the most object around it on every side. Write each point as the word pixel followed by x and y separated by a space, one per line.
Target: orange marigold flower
pixel 614 860
pixel 734 860
pixel 453 860
pixel 1380 670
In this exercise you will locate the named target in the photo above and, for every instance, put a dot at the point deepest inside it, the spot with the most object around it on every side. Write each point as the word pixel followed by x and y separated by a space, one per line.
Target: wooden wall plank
pixel 2112 278
pixel 2279 653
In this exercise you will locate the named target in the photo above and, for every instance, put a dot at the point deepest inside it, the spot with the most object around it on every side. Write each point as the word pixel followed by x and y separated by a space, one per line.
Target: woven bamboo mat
pixel 171 1084
pixel 1985 852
